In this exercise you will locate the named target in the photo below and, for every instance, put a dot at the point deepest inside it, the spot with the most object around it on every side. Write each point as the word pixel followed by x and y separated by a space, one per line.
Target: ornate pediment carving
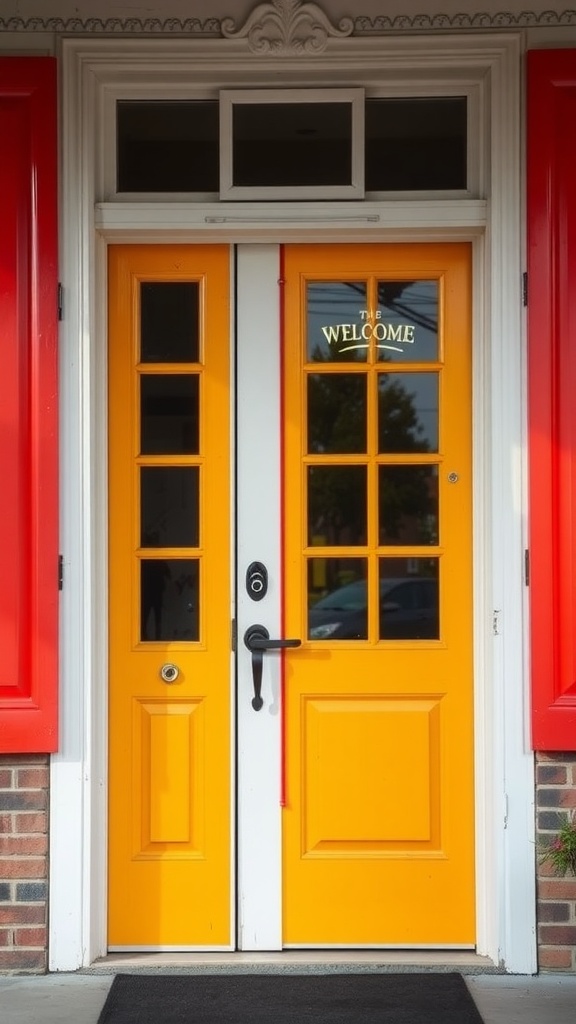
pixel 287 27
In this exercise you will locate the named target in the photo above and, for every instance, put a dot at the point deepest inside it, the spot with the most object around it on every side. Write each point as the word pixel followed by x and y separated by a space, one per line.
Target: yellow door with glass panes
pixel 169 571
pixel 379 804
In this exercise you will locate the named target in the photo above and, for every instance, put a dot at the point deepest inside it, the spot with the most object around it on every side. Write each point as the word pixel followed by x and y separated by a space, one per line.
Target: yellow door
pixel 169 529
pixel 378 820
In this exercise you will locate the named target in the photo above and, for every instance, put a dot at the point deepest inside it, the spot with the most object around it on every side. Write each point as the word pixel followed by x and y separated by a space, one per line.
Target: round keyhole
pixel 169 672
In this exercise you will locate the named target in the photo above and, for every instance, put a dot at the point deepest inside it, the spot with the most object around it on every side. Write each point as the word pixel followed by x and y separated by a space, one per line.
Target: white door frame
pixel 505 830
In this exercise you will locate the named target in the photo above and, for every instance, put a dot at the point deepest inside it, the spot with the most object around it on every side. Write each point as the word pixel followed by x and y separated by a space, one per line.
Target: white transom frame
pixel 92 71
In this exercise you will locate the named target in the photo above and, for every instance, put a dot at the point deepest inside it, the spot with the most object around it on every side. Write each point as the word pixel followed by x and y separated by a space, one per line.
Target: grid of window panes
pixel 169 463
pixel 372 370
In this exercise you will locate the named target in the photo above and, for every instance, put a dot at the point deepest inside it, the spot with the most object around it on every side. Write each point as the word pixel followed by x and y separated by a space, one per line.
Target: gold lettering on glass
pixel 371 329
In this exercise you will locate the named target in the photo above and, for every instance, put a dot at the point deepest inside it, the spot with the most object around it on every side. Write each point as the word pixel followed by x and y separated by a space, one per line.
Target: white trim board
pixel 505 853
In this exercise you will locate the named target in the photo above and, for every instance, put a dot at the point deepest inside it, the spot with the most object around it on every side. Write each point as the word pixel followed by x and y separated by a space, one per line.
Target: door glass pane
pixel 409 599
pixel 336 413
pixel 170 599
pixel 169 322
pixel 416 143
pixel 169 506
pixel 407 412
pixel 169 414
pixel 408 504
pixel 406 330
pixel 336 505
pixel 337 599
pixel 166 146
pixel 292 144
pixel 336 315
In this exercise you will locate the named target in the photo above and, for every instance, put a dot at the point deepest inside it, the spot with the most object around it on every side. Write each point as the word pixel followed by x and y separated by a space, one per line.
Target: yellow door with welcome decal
pixel 379 803
pixel 374 465
pixel 169 571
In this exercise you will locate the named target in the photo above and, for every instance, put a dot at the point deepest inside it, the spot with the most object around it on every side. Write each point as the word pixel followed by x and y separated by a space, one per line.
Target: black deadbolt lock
pixel 256 580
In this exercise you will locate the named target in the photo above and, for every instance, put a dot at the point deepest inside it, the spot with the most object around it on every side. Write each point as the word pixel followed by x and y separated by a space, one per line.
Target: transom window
pixel 293 144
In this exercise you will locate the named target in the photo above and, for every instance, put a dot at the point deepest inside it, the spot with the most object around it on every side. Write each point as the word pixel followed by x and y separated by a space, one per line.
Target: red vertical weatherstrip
pixel 552 390
pixel 28 410
pixel 282 331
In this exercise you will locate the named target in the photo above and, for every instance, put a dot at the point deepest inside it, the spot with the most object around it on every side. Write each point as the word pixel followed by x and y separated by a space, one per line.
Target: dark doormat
pixel 290 999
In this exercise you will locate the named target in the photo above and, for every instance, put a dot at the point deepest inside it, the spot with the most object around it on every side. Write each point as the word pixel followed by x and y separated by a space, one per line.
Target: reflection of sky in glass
pixel 404 326
pixel 409 302
pixel 422 391
pixel 330 303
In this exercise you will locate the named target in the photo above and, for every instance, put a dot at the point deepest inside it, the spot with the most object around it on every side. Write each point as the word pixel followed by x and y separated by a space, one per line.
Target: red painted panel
pixel 28 408
pixel 552 393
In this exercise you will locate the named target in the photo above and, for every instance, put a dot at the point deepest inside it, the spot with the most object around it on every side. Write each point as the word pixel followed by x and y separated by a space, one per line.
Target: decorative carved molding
pixel 293 26
pixel 287 26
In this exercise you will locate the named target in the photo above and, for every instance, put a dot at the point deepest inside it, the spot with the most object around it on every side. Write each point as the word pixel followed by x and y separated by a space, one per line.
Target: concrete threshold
pixel 321 961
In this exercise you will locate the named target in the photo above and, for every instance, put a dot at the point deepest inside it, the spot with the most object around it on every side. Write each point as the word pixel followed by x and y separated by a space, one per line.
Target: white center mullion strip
pixel 259 514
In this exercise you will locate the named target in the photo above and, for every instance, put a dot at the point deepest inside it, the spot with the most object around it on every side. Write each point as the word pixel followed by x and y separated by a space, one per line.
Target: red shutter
pixel 552 393
pixel 28 406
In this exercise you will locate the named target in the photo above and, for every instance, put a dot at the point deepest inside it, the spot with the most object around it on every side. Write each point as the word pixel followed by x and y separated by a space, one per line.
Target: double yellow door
pixel 374 705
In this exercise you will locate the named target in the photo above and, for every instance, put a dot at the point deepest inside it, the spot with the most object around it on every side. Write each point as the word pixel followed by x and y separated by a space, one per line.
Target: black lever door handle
pixel 257 640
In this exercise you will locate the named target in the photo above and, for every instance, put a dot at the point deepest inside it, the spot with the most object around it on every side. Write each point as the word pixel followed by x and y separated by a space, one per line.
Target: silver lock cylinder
pixel 169 672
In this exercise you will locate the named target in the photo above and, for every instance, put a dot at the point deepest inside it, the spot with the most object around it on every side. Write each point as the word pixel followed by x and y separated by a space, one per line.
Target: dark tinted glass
pixel 407 412
pixel 409 599
pixel 416 143
pixel 169 326
pixel 166 146
pixel 408 504
pixel 294 144
pixel 169 414
pixel 169 599
pixel 169 506
pixel 336 311
pixel 336 505
pixel 337 599
pixel 407 328
pixel 336 413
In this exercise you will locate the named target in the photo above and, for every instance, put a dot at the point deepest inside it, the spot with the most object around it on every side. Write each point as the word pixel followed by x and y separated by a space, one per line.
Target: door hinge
pixel 525 288
pixel 60 572
pixel 60 302
pixel 527 567
pixel 233 633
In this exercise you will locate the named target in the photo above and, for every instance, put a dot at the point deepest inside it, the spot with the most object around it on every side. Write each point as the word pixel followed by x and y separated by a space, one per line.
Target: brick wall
pixel 555 798
pixel 23 863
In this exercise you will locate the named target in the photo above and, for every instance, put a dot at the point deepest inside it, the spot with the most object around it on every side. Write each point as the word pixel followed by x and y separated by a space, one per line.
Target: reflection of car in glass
pixel 408 611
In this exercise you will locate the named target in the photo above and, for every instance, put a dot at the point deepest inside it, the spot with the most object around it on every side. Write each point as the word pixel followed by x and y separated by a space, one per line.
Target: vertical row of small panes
pixel 373 365
pixel 169 464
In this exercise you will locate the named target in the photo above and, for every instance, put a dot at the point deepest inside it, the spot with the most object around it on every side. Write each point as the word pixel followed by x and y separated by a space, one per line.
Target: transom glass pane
pixel 409 599
pixel 170 598
pixel 408 505
pixel 336 505
pixel 337 311
pixel 169 502
pixel 336 413
pixel 406 330
pixel 337 599
pixel 292 144
pixel 169 322
pixel 407 412
pixel 416 143
pixel 168 146
pixel 169 414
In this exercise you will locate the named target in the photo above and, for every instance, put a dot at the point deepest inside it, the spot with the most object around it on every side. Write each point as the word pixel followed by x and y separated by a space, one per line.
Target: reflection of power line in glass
pixel 416 301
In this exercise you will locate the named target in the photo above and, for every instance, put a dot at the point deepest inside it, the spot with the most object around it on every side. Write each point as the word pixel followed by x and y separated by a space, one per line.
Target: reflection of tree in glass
pixel 337 504
pixel 336 413
pixel 408 505
pixel 399 427
pixel 407 500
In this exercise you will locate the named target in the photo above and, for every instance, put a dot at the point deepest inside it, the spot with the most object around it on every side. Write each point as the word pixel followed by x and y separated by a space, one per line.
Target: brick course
pixel 555 801
pixel 23 863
